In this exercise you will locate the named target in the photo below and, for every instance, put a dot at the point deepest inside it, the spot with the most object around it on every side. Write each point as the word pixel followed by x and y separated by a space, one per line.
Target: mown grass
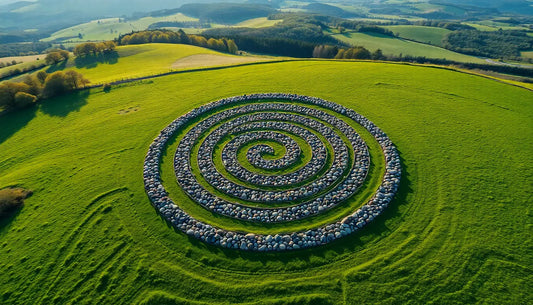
pixel 424 34
pixel 458 231
pixel 395 46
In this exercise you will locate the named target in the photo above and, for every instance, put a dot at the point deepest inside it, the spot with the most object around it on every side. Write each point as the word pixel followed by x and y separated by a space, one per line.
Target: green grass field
pixel 110 28
pixel 137 61
pixel 424 34
pixel 260 22
pixel 395 46
pixel 459 230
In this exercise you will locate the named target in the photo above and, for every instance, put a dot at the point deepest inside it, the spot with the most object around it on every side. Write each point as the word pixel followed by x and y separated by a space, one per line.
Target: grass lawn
pixel 459 230
pixel 395 46
pixel 424 34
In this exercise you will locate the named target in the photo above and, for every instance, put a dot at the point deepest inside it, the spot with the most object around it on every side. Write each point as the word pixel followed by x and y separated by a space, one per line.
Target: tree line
pixel 14 95
pixel 495 44
pixel 22 49
pixel 334 52
pixel 94 48
pixel 56 56
pixel 358 52
pixel 168 36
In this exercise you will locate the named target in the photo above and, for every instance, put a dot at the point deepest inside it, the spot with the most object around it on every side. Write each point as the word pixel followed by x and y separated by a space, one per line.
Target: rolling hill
pixel 457 231
pixel 396 46
pixel 148 59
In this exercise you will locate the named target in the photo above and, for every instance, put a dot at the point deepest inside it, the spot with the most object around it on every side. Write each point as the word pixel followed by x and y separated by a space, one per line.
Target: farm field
pixel 141 60
pixel 457 231
pixel 260 22
pixel 23 59
pixel 395 46
pixel 424 34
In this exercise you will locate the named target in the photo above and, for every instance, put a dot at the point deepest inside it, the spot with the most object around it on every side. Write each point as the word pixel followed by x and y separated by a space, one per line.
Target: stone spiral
pixel 246 184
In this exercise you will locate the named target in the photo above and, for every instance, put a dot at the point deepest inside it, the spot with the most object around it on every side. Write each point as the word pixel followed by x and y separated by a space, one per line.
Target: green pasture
pixel 110 28
pixel 458 231
pixel 132 61
pixel 494 25
pixel 424 34
pixel 260 22
pixel 396 46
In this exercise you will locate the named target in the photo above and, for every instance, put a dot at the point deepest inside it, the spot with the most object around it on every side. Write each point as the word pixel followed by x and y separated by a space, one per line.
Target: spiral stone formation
pixel 250 182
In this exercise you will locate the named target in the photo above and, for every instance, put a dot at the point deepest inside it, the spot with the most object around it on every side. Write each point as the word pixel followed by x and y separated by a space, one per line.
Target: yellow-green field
pixel 424 34
pixel 260 22
pixel 142 60
pixel 395 46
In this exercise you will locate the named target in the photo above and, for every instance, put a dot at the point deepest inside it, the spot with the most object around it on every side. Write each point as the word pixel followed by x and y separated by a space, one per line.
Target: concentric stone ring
pixel 240 132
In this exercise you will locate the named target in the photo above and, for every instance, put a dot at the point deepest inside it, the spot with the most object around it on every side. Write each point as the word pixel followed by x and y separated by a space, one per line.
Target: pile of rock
pixel 260 112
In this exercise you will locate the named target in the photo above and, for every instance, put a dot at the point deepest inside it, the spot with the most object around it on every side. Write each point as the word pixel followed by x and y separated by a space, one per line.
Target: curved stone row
pixel 344 187
pixel 255 155
pixel 311 169
pixel 217 180
pixel 258 242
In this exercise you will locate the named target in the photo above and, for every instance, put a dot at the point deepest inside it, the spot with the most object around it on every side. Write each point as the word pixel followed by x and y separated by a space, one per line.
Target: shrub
pixel 23 99
pixel 60 82
pixel 8 90
pixel 12 199
pixel 106 88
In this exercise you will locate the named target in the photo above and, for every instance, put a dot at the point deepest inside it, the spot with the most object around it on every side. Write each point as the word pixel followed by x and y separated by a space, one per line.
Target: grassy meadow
pixel 141 60
pixel 424 34
pixel 396 46
pixel 110 28
pixel 459 230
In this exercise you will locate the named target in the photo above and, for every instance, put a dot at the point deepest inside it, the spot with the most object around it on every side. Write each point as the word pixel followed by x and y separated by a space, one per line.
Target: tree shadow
pixel 57 67
pixel 13 121
pixel 6 220
pixel 63 105
pixel 92 61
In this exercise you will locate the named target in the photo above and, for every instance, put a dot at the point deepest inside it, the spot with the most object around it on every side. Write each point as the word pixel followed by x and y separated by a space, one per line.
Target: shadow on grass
pixel 57 67
pixel 7 217
pixel 63 105
pixel 87 62
pixel 382 226
pixel 13 121
pixel 92 61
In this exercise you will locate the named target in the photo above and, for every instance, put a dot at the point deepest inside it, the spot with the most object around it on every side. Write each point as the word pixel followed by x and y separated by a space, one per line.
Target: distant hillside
pixel 226 13
pixel 523 7
pixel 57 14
pixel 328 10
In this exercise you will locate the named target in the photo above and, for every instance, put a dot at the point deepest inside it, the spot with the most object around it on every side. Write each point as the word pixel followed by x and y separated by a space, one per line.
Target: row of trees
pixel 8 63
pixel 329 51
pixel 167 36
pixel 40 85
pixel 94 48
pixel 22 69
pixel 56 56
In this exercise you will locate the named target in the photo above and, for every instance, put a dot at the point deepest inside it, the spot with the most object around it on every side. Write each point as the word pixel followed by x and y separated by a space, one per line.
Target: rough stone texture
pixel 256 242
